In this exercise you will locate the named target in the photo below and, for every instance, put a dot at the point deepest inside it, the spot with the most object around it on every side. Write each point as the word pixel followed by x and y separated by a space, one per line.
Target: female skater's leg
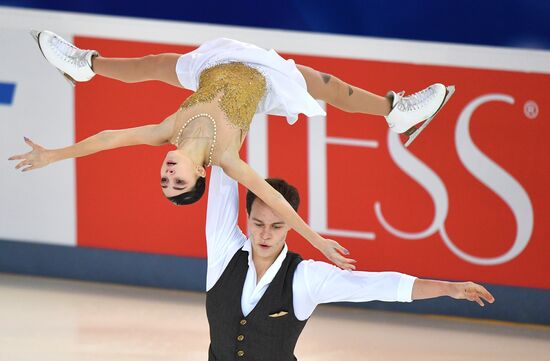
pixel 82 65
pixel 342 95
pixel 403 113
pixel 160 67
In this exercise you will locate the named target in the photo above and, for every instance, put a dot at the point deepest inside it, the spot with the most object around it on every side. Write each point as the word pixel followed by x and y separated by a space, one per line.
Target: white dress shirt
pixel 314 282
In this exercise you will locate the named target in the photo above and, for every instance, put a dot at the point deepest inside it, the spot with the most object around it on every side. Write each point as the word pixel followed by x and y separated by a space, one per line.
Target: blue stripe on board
pixel 93 264
pixel 7 90
pixel 513 23
pixel 516 304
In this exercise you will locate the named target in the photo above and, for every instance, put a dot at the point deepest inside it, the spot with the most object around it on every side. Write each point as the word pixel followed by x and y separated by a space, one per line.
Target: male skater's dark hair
pixel 288 191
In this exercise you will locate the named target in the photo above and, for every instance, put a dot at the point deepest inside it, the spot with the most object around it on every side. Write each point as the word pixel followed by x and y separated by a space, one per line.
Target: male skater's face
pixel 267 230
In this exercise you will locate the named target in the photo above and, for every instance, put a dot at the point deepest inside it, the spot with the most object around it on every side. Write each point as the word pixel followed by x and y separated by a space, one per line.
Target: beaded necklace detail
pixel 177 142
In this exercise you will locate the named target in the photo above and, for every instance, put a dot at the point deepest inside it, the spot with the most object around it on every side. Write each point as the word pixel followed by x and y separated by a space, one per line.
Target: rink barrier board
pixel 513 304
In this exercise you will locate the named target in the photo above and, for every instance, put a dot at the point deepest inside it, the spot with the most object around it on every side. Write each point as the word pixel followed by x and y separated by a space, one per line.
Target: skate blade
pixel 415 132
pixel 67 78
pixel 35 34
pixel 410 131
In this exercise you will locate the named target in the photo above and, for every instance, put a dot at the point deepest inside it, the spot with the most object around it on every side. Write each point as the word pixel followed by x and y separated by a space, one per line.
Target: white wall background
pixel 36 206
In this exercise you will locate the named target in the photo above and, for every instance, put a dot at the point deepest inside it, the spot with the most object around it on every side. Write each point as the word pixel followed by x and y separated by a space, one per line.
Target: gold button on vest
pixel 243 322
pixel 240 353
pixel 240 337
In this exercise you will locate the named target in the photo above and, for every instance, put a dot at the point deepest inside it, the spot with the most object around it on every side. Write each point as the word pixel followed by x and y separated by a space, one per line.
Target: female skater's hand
pixel 470 291
pixel 38 157
pixel 334 252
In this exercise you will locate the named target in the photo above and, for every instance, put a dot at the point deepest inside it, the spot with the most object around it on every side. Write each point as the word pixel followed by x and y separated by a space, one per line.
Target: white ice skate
pixel 407 112
pixel 73 63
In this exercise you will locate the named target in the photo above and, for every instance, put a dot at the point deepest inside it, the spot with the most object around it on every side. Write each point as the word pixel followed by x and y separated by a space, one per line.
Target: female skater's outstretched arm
pixel 152 134
pixel 239 170
pixel 159 134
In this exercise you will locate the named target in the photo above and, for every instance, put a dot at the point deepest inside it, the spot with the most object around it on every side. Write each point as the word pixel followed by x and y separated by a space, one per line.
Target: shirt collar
pixel 273 269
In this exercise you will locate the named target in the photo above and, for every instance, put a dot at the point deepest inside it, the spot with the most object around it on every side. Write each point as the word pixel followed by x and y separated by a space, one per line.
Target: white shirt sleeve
pixel 223 235
pixel 319 282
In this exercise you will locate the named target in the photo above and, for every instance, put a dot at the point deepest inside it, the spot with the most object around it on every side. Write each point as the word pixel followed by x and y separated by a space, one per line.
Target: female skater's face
pixel 178 174
pixel 267 230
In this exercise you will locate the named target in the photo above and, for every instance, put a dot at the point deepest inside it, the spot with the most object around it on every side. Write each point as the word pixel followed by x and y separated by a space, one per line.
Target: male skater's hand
pixel 334 252
pixel 38 157
pixel 470 291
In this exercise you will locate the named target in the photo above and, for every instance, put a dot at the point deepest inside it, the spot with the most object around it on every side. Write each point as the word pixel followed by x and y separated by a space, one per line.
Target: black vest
pixel 259 336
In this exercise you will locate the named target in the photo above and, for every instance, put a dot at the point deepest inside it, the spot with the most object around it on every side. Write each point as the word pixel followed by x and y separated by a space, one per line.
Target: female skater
pixel 232 81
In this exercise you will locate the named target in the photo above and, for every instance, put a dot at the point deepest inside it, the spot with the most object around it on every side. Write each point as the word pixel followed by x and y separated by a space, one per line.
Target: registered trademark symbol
pixel 531 109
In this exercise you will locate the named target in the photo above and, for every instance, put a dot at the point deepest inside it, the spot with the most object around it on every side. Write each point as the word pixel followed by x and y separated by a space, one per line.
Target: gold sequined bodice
pixel 241 88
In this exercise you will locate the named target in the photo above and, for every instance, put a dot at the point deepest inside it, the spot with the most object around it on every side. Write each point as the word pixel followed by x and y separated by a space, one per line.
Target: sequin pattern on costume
pixel 242 87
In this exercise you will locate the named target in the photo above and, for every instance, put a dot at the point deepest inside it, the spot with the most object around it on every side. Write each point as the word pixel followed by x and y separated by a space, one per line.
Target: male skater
pixel 260 295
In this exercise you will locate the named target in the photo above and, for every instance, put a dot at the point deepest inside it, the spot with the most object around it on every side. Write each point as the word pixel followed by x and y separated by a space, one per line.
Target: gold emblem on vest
pixel 279 314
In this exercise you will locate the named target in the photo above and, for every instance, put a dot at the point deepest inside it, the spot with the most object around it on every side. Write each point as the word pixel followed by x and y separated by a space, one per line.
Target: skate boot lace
pixel 415 101
pixel 69 53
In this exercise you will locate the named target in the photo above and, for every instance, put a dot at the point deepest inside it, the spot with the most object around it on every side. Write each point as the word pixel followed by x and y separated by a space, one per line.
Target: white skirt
pixel 286 93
